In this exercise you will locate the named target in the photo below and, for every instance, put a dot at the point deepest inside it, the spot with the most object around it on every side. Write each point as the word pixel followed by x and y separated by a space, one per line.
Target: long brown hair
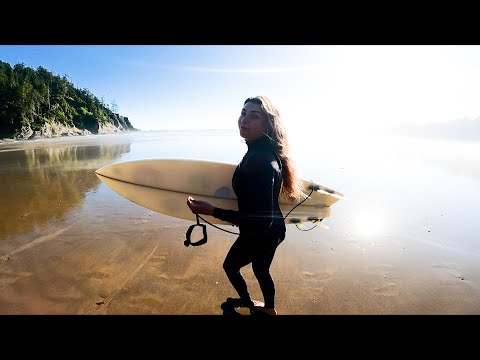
pixel 292 187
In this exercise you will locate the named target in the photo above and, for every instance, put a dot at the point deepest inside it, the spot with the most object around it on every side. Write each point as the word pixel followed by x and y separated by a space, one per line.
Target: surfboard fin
pixel 314 187
pixel 313 219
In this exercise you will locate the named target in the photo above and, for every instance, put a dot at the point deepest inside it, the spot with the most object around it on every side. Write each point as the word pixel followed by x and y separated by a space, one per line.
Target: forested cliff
pixel 37 103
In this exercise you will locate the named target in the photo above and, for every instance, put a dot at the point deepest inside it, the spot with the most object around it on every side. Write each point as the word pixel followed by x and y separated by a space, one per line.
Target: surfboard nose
pixel 103 170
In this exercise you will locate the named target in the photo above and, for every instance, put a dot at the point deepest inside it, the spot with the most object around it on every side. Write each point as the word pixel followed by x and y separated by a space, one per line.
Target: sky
pixel 351 89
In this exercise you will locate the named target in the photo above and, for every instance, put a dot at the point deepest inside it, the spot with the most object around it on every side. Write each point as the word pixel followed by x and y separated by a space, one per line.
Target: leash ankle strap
pixel 202 241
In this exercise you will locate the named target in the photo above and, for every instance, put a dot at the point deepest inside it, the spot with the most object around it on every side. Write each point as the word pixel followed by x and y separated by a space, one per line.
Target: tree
pixel 114 107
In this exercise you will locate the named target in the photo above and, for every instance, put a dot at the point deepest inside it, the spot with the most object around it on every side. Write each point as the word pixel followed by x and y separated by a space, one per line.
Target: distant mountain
pixel 37 103
pixel 460 129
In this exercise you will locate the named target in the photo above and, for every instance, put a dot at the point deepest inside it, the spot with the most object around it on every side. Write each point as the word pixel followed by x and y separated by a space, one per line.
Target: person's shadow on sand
pixel 229 309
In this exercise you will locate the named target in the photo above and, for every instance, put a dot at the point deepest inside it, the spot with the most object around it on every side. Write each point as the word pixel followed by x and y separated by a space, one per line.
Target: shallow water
pixel 404 241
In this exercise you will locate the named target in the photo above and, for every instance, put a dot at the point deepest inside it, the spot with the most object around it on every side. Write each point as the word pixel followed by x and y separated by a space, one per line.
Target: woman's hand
pixel 200 207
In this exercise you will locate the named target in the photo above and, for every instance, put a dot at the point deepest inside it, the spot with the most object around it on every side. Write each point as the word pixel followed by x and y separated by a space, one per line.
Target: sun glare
pixel 368 222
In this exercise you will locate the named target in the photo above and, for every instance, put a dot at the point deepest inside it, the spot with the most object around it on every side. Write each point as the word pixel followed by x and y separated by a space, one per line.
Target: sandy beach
pixel 70 246
pixel 76 267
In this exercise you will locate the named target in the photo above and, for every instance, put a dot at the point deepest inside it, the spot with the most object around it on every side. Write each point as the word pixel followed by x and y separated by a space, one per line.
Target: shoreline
pixel 16 140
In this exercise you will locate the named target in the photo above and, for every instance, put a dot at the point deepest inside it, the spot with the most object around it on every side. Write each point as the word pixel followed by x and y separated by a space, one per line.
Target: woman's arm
pixel 257 192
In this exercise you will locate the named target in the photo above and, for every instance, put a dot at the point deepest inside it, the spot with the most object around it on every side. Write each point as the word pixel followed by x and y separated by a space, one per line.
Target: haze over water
pixel 406 233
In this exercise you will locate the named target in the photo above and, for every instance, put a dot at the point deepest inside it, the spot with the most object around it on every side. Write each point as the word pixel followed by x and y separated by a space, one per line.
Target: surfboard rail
pixel 200 178
pixel 163 185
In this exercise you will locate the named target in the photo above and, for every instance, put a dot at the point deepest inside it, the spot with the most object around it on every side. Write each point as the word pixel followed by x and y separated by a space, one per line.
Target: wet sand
pixel 103 266
pixel 89 251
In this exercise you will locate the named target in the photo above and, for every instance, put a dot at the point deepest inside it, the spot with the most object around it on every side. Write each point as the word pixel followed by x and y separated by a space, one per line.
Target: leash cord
pixel 301 202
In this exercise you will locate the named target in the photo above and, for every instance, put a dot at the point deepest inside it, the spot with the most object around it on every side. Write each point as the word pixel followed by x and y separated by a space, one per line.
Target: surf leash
pixel 313 220
pixel 202 241
pixel 187 242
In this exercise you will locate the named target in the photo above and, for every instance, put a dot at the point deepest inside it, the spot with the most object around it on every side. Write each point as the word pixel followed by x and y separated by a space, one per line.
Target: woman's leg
pixel 261 269
pixel 237 257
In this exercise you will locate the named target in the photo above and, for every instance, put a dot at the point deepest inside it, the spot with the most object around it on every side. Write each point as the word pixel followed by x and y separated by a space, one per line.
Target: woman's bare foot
pixel 257 303
pixel 260 310
pixel 237 302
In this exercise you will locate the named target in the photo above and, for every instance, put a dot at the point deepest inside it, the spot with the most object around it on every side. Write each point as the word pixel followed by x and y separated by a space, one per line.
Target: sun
pixel 371 221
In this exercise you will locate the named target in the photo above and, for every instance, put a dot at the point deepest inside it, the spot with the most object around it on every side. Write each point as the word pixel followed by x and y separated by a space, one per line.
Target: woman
pixel 265 172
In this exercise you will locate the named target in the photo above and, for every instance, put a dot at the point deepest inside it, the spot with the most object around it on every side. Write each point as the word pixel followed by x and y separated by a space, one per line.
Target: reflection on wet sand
pixel 41 185
pixel 71 245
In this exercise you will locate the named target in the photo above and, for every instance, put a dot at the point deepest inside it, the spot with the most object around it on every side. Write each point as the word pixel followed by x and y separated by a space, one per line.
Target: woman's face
pixel 251 122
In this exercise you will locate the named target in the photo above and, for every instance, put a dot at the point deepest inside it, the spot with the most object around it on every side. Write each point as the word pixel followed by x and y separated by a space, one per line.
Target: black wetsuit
pixel 257 181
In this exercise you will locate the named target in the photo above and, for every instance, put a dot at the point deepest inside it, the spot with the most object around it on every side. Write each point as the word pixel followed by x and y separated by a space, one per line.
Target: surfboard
pixel 163 185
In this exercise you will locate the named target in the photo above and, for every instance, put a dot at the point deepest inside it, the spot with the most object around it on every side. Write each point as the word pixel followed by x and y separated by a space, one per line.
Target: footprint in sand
pixel 317 276
pixel 380 268
pixel 7 279
pixel 388 289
